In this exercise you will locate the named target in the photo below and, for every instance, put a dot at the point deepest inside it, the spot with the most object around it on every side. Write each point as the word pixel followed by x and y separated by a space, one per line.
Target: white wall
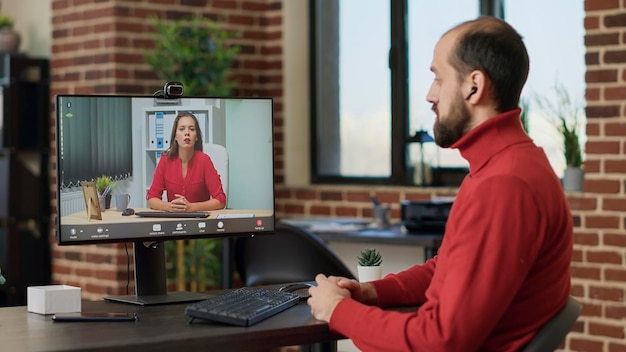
pixel 33 21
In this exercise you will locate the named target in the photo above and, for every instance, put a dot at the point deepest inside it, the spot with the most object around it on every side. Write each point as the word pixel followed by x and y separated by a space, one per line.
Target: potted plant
pixel 9 38
pixel 104 186
pixel 566 115
pixel 194 52
pixel 370 265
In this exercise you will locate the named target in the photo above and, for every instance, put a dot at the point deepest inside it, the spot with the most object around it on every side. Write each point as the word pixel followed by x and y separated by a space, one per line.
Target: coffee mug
pixel 121 201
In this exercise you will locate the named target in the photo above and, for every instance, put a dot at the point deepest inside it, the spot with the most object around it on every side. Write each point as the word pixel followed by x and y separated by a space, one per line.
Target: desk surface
pixel 159 328
pixel 360 231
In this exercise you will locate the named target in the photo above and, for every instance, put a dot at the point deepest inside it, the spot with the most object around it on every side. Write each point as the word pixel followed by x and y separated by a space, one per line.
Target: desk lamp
pixel 421 137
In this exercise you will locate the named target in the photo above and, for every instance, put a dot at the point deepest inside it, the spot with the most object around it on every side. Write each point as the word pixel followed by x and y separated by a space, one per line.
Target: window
pixel 555 42
pixel 352 99
pixel 371 74
pixel 369 54
pixel 85 124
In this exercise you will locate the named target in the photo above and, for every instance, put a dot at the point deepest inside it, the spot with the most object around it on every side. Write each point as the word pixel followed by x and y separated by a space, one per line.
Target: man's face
pixel 452 115
pixel 450 127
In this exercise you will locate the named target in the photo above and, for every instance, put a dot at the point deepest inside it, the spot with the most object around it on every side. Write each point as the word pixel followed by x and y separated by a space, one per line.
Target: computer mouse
pixel 128 211
pixel 300 288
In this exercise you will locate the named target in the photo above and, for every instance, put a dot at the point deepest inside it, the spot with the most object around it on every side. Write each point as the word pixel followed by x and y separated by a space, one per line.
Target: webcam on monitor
pixel 173 90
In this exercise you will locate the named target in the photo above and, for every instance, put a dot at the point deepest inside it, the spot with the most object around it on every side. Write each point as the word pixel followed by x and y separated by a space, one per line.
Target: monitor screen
pixel 146 169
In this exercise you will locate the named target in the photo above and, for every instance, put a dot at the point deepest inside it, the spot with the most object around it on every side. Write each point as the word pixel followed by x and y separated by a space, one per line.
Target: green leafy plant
pixel 6 21
pixel 103 182
pixel 194 52
pixel 198 267
pixel 370 257
pixel 565 114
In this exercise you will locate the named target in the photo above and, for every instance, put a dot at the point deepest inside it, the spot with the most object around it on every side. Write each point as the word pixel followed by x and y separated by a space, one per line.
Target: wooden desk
pixel 159 328
pixel 112 216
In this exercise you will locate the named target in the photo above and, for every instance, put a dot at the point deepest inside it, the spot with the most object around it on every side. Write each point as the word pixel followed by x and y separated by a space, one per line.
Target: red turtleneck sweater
pixel 503 268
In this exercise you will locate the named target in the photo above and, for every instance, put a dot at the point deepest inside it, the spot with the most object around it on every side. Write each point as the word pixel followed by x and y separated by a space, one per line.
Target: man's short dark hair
pixel 494 47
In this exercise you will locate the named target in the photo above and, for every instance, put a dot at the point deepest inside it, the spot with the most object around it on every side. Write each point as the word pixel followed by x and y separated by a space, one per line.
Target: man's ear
pixel 477 83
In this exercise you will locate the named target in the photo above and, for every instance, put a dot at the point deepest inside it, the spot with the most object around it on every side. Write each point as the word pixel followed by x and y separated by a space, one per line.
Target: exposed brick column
pixel 599 263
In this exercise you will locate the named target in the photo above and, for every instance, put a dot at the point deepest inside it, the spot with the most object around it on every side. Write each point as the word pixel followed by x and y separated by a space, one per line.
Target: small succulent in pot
pixel 370 257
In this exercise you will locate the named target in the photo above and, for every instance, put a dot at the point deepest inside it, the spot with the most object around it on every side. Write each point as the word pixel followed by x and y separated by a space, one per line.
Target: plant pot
pixel 9 40
pixel 369 273
pixel 573 178
pixel 105 202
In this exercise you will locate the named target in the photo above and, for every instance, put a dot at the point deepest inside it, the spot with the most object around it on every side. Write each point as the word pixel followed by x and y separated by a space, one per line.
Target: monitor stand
pixel 150 279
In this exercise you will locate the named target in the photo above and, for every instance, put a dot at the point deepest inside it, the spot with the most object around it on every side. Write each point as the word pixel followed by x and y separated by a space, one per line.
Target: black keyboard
pixel 244 306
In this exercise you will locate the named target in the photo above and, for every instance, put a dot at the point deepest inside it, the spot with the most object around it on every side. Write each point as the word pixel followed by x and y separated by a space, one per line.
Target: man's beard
pixel 449 129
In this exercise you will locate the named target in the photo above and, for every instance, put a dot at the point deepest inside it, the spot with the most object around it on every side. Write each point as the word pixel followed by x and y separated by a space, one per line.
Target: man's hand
pixel 361 292
pixel 325 296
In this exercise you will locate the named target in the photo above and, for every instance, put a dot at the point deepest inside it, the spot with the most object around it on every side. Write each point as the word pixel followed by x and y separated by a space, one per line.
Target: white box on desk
pixel 53 299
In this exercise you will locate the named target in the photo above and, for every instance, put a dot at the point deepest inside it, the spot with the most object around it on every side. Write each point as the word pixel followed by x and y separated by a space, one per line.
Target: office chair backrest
pixel 554 331
pixel 292 254
pixel 219 156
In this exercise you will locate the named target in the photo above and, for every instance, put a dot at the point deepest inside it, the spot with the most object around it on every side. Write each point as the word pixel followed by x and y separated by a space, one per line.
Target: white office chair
pixel 553 333
pixel 219 156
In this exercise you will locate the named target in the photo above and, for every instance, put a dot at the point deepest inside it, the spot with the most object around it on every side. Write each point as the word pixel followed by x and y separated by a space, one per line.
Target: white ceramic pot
pixel 369 273
pixel 573 178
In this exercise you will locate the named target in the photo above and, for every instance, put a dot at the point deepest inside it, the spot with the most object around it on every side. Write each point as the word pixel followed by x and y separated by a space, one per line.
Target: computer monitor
pixel 125 138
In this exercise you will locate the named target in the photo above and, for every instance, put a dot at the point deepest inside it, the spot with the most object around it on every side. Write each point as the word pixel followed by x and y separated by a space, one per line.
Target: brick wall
pixel 599 263
pixel 97 49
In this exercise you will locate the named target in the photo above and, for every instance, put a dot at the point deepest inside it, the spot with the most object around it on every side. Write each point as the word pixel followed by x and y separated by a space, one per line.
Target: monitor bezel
pixel 237 230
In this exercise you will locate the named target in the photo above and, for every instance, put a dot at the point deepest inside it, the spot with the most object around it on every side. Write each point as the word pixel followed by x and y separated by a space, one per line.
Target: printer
pixel 425 216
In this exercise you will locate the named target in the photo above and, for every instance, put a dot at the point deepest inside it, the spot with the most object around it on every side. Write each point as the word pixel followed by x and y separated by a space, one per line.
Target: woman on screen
pixel 186 173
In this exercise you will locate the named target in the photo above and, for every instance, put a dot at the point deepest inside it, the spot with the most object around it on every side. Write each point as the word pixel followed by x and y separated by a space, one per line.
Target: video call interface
pixel 124 137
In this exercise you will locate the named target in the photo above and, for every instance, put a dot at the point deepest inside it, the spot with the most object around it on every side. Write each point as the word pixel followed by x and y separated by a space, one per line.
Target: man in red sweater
pixel 503 268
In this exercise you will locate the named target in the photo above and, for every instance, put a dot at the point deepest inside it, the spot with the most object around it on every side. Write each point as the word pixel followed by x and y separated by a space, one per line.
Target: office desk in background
pixel 348 237
pixel 360 231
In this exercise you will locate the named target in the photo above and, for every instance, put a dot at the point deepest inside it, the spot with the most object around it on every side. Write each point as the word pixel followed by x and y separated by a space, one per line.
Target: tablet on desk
pixel 170 214
pixel 98 316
